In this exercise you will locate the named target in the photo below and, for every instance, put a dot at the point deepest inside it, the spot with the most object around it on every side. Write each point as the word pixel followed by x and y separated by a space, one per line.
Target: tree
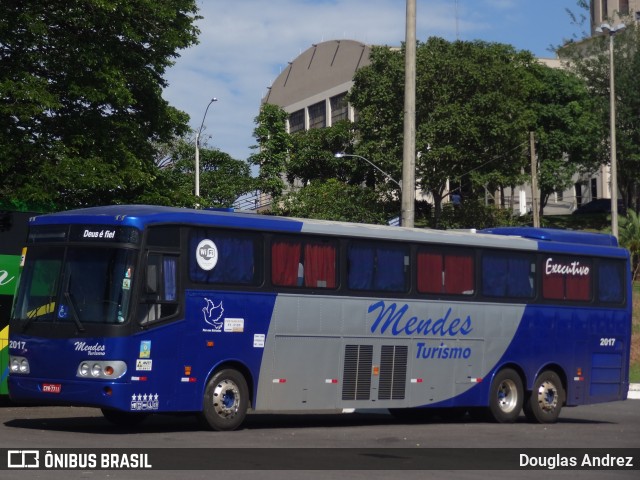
pixel 568 132
pixel 274 145
pixel 335 200
pixel 222 178
pixel 312 156
pixel 589 59
pixel 630 238
pixel 81 97
pixel 470 110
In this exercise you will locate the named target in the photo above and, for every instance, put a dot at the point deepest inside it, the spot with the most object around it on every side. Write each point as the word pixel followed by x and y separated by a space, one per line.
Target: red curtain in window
pixel 578 287
pixel 285 259
pixel 319 266
pixel 429 272
pixel 553 286
pixel 458 274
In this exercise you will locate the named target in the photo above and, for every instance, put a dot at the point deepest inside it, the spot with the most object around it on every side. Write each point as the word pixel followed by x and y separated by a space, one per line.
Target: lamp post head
pixel 339 155
pixel 606 28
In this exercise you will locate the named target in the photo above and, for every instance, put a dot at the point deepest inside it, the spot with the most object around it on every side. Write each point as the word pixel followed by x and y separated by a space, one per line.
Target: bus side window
pixel 310 264
pixel 160 296
pixel 376 267
pixel 509 275
pixel 567 278
pixel 450 272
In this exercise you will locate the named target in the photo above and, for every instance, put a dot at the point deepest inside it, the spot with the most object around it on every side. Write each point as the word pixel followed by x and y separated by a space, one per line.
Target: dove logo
pixel 213 315
pixel 207 254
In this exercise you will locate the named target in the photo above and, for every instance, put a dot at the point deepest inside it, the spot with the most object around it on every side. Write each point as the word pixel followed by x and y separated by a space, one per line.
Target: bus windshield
pixel 75 284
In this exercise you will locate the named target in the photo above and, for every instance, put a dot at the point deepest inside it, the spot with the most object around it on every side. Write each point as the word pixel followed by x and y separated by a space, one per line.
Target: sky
pixel 245 44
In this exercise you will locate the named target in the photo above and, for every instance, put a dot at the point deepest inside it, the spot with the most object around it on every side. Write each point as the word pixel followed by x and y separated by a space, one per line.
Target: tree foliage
pixel 629 237
pixel 273 147
pixel 335 200
pixel 475 105
pixel 81 102
pixel 590 61
pixel 470 99
pixel 567 130
pixel 222 178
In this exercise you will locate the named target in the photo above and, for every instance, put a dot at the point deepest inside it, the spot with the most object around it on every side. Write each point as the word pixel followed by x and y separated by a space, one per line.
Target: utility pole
pixel 409 145
pixel 534 182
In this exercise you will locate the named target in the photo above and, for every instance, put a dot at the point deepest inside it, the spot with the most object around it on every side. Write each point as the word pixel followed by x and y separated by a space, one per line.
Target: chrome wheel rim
pixel 507 396
pixel 226 399
pixel 547 396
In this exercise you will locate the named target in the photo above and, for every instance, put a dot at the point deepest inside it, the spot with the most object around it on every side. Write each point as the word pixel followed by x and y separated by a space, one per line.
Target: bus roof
pixel 556 235
pixel 524 238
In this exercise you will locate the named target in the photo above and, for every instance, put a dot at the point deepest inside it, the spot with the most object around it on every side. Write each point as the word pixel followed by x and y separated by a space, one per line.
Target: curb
pixel 634 391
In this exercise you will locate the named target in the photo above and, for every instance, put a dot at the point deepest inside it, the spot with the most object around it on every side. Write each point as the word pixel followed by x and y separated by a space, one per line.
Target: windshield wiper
pixel 74 312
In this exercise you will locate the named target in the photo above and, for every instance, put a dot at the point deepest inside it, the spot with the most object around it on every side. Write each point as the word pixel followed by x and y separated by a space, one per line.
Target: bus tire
pixel 123 419
pixel 546 399
pixel 226 400
pixel 506 396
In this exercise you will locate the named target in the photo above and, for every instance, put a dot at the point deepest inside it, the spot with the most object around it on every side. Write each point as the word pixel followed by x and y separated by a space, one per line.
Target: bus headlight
pixel 102 369
pixel 19 365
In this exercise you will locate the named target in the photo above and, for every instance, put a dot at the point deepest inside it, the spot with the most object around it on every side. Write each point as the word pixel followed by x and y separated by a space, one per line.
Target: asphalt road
pixel 605 426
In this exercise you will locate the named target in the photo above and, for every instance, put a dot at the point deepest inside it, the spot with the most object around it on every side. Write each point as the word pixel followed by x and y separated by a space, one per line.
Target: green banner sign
pixel 9 274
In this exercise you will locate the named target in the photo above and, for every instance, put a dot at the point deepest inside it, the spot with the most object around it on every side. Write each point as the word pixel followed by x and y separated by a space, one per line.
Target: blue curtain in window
pixel 361 267
pixel 506 276
pixel 519 283
pixel 235 259
pixel 610 282
pixel 170 278
pixel 494 275
pixel 389 275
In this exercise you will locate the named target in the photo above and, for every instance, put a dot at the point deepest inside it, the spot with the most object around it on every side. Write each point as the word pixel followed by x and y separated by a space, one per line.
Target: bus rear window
pixel 611 281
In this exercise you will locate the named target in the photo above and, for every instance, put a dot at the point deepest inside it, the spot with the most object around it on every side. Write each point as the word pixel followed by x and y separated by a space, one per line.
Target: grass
pixel 634 370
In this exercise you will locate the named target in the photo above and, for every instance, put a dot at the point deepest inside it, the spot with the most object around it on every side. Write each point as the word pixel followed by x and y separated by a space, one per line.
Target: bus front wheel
pixel 226 400
pixel 546 399
pixel 506 396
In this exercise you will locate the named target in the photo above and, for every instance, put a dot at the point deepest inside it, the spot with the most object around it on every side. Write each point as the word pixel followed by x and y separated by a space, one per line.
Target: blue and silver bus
pixel 138 310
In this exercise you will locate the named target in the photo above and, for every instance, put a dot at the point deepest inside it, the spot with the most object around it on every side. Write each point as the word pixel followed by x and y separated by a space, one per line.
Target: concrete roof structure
pixel 321 71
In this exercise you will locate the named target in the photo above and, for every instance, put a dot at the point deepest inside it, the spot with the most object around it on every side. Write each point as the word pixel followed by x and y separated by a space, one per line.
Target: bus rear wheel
pixel 506 396
pixel 226 400
pixel 546 399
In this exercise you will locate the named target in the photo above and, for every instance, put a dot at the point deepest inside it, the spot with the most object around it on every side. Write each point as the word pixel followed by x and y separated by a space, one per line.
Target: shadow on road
pixel 255 421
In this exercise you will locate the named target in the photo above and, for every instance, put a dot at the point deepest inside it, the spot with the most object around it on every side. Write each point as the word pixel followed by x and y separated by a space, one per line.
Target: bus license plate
pixel 51 387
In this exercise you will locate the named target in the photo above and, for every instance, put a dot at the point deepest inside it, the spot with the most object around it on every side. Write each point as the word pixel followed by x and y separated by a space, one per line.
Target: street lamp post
pixel 611 31
pixel 197 188
pixel 388 177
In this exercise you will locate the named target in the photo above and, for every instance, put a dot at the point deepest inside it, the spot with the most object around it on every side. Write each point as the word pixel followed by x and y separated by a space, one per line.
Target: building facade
pixel 612 11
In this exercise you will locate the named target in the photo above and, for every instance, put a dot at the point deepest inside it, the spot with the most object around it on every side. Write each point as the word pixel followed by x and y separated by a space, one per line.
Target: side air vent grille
pixel 393 372
pixel 358 360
